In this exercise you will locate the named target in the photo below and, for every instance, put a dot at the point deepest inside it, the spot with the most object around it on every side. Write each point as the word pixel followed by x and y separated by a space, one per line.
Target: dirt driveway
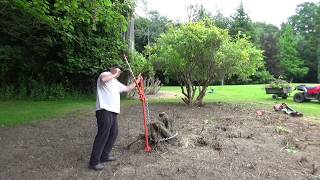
pixel 218 141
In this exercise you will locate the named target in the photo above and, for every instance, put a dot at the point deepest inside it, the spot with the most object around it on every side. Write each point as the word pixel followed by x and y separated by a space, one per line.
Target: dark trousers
pixel 106 136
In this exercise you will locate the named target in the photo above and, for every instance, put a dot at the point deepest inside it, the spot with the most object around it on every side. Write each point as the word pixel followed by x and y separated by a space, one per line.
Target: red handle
pixel 140 87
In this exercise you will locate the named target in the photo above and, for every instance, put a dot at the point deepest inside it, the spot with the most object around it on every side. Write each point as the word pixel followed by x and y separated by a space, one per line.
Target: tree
pixel 221 21
pixel 292 66
pixel 187 53
pixel 239 57
pixel 306 23
pixel 241 23
pixel 197 54
pixel 318 49
pixel 197 13
pixel 63 42
pixel 147 30
pixel 267 37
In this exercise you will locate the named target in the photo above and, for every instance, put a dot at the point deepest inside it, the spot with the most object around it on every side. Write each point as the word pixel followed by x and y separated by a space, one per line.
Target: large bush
pixel 197 54
pixel 60 43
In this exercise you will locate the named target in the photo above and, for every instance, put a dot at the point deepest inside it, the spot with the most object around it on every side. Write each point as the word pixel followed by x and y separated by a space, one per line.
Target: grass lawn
pixel 254 95
pixel 17 112
pixel 23 111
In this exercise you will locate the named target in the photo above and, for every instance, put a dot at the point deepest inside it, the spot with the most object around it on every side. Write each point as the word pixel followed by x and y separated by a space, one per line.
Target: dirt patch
pixel 217 141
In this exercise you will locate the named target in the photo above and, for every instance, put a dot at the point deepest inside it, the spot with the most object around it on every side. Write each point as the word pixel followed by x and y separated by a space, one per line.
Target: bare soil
pixel 217 141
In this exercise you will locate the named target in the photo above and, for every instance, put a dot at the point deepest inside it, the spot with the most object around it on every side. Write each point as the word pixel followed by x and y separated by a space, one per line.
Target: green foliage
pixel 221 21
pixel 200 53
pixel 40 91
pixel 35 91
pixel 7 92
pixel 239 57
pixel 291 64
pixel 306 23
pixel 279 83
pixel 291 150
pixel 241 24
pixel 198 13
pixel 147 30
pixel 189 47
pixel 267 37
pixel 60 43
pixel 261 76
pixel 141 65
pixel 187 53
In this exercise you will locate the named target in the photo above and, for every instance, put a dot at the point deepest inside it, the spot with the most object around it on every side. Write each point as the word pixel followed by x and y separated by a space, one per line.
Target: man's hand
pixel 135 83
pixel 138 78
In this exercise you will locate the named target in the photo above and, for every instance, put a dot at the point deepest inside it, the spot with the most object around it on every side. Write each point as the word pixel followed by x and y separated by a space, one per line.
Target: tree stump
pixel 159 130
pixel 162 128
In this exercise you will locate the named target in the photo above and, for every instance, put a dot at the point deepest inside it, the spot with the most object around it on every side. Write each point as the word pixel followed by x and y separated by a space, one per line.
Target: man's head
pixel 115 69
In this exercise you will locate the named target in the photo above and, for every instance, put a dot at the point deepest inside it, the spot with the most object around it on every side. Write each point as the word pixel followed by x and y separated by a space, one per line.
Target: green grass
pixel 23 111
pixel 254 95
pixel 17 112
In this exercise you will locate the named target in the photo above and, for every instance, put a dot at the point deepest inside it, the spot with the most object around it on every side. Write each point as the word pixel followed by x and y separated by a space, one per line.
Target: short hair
pixel 116 66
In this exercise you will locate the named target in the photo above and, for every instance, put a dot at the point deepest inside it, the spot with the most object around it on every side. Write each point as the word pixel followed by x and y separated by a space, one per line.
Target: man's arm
pixel 133 85
pixel 108 76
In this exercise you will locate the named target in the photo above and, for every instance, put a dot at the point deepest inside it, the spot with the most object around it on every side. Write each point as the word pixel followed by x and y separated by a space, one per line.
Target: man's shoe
pixel 97 167
pixel 109 158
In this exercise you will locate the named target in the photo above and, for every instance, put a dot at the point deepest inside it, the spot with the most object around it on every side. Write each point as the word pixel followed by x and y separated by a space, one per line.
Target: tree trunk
pixel 131 34
pixel 189 95
pixel 318 56
pixel 202 93
pixel 222 81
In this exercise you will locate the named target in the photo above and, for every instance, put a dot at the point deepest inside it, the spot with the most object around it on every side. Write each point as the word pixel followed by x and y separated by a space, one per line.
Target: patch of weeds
pixel 291 150
pixel 313 177
pixel 201 141
pixel 282 130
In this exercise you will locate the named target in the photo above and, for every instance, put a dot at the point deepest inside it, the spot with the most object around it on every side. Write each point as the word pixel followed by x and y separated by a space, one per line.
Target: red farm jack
pixel 140 88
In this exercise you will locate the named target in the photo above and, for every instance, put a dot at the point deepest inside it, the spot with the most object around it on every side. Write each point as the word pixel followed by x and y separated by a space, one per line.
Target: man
pixel 107 109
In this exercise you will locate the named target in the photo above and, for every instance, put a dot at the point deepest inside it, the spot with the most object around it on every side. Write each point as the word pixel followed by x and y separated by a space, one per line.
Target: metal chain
pixel 134 79
pixel 148 112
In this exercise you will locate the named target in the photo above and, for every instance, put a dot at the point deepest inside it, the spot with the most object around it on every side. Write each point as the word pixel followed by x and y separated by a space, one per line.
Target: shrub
pixel 279 83
pixel 262 76
pixel 7 91
pixel 151 86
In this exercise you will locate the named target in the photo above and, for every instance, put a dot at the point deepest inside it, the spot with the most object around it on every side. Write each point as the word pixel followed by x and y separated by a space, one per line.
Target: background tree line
pixel 49 48
pixel 291 51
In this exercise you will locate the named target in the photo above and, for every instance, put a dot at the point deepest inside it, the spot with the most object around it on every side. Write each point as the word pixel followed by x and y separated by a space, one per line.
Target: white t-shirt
pixel 108 94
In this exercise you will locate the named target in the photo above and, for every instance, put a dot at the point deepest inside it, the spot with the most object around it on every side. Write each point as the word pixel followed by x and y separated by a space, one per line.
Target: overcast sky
pixel 268 11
